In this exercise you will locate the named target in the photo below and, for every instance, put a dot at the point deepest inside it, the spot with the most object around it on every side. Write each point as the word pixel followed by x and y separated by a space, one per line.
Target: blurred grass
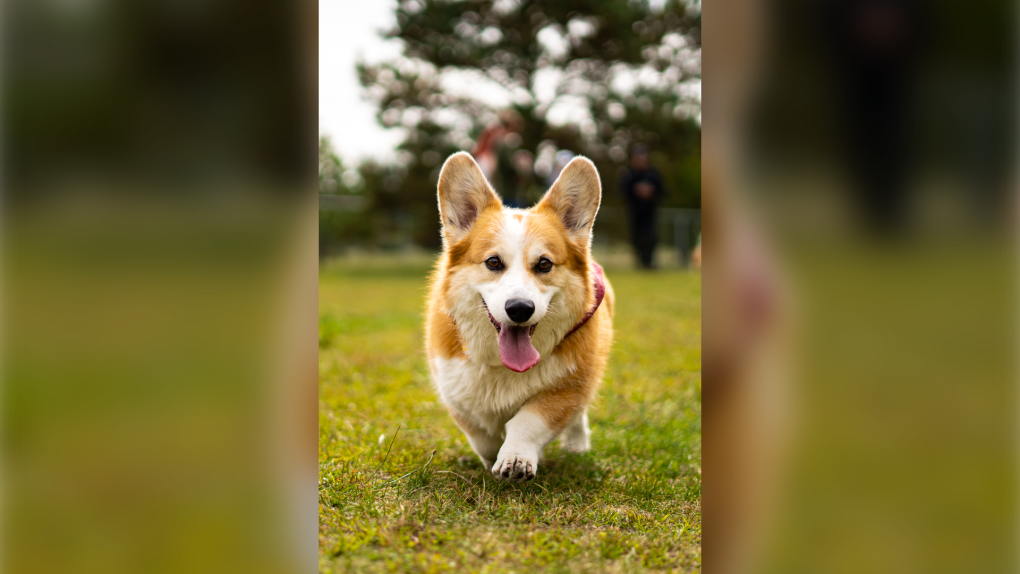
pixel 630 504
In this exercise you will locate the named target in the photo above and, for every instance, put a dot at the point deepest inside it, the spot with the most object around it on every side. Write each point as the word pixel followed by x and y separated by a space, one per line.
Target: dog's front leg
pixel 485 445
pixel 534 426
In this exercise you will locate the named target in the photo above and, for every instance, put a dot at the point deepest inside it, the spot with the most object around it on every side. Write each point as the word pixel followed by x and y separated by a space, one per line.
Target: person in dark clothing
pixel 641 186
pixel 876 46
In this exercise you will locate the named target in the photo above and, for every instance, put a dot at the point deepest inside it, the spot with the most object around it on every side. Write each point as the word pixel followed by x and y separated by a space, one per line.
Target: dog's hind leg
pixel 576 437
pixel 484 444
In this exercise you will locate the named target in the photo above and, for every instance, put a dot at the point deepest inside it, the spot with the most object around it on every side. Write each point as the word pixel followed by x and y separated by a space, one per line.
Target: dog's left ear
pixel 575 198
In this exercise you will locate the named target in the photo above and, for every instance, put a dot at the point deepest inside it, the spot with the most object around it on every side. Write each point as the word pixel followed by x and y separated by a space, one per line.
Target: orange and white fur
pixel 519 319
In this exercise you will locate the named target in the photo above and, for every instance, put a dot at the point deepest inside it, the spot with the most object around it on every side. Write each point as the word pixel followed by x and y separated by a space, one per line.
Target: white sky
pixel 347 29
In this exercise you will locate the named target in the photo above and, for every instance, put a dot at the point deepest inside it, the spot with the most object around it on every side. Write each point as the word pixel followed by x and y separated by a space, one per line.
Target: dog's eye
pixel 544 265
pixel 494 263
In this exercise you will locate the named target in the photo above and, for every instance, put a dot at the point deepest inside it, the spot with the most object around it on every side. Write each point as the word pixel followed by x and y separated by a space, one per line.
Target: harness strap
pixel 600 292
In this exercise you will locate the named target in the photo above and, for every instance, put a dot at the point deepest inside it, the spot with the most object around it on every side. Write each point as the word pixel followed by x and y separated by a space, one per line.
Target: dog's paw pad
pixel 515 469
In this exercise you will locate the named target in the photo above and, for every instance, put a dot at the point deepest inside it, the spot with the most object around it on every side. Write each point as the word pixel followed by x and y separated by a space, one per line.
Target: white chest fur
pixel 490 395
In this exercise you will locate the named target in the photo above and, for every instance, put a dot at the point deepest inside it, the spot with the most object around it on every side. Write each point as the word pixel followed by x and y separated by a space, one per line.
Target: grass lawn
pixel 388 504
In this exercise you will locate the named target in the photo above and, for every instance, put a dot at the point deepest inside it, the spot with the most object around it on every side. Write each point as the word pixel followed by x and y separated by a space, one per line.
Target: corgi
pixel 519 316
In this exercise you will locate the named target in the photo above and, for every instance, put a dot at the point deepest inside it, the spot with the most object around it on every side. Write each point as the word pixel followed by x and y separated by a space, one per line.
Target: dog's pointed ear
pixel 575 198
pixel 463 195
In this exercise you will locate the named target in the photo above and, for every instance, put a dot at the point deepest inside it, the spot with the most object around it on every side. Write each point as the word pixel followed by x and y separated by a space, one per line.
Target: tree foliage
pixel 590 76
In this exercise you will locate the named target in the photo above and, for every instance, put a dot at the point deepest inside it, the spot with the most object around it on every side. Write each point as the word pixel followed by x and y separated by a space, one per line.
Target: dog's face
pixel 517 280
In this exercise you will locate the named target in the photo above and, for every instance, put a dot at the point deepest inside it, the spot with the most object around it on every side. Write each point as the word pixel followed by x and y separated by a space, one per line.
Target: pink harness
pixel 600 292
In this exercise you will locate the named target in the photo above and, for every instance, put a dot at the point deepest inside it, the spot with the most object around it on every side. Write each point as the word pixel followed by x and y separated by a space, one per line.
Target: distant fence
pixel 678 227
pixel 331 202
pixel 686 228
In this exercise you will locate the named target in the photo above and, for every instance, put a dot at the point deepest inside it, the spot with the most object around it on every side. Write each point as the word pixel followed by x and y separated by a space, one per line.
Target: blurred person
pixel 641 186
pixel 486 150
pixel 874 46
pixel 495 154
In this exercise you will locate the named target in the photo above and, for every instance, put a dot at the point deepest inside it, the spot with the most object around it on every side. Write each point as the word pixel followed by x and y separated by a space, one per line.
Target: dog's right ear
pixel 463 195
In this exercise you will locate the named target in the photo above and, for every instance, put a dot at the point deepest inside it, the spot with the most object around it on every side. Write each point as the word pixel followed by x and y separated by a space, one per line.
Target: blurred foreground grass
pixel 630 504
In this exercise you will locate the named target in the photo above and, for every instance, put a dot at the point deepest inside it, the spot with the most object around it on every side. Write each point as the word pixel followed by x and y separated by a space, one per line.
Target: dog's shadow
pixel 559 472
pixel 569 470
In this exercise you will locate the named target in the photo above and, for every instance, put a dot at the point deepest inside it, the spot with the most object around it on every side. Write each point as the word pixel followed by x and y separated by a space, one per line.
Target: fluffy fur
pixel 507 416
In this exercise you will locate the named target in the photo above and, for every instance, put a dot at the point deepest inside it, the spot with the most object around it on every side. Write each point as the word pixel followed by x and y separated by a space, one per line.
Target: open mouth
pixel 515 349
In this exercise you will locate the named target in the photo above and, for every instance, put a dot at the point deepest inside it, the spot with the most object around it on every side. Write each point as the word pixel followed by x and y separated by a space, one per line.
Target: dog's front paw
pixel 515 467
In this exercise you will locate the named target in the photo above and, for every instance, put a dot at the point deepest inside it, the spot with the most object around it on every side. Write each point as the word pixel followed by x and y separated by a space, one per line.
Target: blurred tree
pixel 330 168
pixel 590 76
pixel 342 206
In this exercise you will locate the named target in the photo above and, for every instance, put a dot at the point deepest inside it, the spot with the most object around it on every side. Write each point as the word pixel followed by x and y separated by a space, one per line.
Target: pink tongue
pixel 516 350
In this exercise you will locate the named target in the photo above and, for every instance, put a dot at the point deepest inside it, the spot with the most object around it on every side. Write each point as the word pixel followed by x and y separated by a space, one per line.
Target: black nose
pixel 519 310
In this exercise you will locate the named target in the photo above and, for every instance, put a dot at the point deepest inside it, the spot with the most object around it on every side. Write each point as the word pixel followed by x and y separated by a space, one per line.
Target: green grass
pixel 386 504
